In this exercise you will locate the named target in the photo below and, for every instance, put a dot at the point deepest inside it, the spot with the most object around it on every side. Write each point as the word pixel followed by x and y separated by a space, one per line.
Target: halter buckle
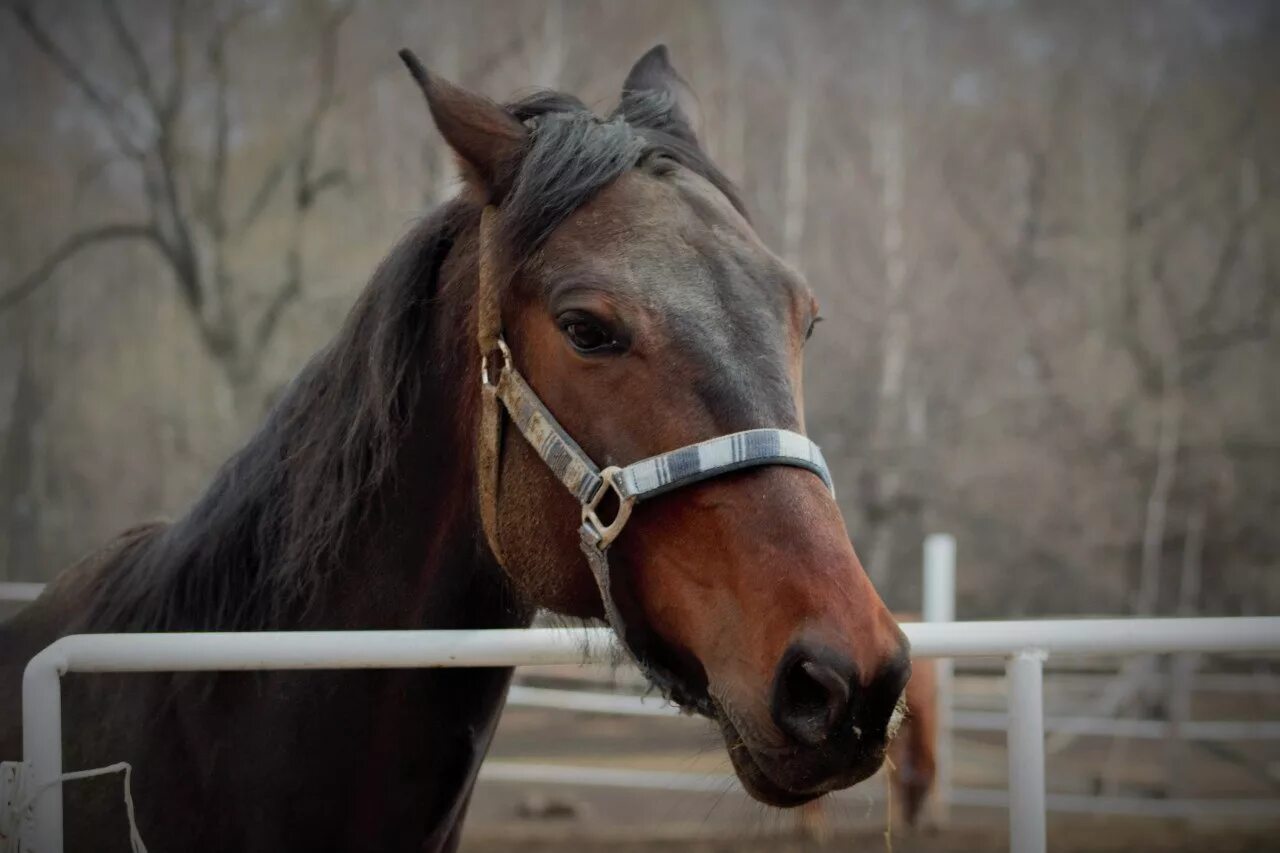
pixel 606 533
pixel 484 364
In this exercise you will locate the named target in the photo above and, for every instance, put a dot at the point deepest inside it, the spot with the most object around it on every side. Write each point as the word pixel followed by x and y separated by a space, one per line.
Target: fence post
pixel 940 606
pixel 42 752
pixel 1026 752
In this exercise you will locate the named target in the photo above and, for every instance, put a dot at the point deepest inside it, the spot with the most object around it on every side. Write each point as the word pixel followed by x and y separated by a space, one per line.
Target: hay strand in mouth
pixel 897 718
pixel 888 796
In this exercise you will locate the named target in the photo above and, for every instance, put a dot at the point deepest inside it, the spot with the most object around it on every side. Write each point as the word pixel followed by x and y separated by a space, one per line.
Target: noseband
pixel 590 485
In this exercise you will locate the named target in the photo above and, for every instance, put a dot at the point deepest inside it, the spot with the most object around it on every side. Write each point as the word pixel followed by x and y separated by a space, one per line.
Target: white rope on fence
pixel 136 844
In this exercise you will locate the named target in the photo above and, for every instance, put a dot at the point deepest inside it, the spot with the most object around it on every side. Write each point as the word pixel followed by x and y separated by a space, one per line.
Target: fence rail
pixel 600 702
pixel 1025 646
pixel 20 592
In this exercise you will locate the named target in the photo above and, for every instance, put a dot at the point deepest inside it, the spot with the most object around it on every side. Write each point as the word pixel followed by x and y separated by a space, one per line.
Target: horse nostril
pixel 837 688
pixel 810 699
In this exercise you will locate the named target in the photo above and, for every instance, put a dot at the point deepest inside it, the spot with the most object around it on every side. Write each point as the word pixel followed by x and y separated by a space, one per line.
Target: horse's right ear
pixel 487 139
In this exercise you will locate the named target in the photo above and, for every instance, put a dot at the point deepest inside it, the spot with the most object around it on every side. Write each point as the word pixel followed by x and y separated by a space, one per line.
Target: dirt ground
pixel 968 831
pixel 1110 835
pixel 514 815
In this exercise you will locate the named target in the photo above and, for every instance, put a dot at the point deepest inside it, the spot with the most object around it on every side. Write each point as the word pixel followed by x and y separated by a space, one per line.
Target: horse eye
pixel 587 335
pixel 813 324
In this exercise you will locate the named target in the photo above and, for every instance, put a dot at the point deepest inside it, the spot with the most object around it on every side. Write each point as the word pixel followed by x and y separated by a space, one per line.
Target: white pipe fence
pixel 622 704
pixel 1024 645
pixel 19 591
pixel 940 607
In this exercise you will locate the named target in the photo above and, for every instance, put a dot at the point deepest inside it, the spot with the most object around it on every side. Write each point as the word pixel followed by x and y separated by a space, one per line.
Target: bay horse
pixel 636 311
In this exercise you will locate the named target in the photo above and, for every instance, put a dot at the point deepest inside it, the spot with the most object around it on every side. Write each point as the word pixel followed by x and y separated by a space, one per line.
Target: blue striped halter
pixel 589 484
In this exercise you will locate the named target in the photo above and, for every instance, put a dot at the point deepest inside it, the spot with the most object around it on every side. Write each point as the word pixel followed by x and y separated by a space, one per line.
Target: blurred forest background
pixel 1044 237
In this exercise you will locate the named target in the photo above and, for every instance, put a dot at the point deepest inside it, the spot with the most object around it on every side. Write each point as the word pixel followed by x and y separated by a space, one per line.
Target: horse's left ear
pixel 488 140
pixel 655 95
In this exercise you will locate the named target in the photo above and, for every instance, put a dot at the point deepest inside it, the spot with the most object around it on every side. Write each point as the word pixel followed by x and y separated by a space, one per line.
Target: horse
pixel 595 291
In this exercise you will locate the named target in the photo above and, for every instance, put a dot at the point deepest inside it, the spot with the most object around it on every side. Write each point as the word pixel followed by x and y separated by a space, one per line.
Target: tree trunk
pixel 1153 533
pixel 796 162
pixel 887 140
pixel 19 499
pixel 1182 667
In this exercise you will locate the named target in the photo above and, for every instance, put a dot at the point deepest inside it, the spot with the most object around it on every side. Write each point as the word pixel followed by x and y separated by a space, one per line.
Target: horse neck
pixel 288 537
pixel 422 562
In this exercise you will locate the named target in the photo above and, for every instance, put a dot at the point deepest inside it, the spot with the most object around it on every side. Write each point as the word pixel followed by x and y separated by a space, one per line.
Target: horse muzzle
pixel 827 729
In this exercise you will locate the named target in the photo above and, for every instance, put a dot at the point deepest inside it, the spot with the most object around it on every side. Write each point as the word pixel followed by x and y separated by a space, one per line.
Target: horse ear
pixel 655 95
pixel 489 141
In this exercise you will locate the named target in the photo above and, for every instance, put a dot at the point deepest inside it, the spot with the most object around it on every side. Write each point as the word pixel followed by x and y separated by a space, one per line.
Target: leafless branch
pixel 176 91
pixel 69 248
pixel 288 293
pixel 87 174
pixel 213 200
pixel 1031 227
pixel 976 220
pixel 325 95
pixel 1226 261
pixel 107 107
pixel 128 44
pixel 331 178
pixel 1138 135
pixel 1206 167
pixel 1256 326
pixel 263 194
pixel 1145 362
pixel 1015 263
pixel 299 155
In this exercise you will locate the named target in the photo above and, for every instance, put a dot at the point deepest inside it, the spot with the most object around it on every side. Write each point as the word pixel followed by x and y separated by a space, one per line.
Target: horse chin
pixel 758 766
pixel 753 778
pixel 759 769
pixel 697 701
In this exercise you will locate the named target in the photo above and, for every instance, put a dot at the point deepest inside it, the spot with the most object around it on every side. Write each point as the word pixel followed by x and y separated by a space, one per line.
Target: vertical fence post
pixel 41 830
pixel 1026 752
pixel 940 606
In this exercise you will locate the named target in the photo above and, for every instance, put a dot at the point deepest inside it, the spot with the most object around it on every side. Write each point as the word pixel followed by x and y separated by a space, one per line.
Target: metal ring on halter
pixel 606 533
pixel 484 363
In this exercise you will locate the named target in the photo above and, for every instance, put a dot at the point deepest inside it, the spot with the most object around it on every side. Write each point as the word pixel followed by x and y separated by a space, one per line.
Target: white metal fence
pixel 1024 646
pixel 19 592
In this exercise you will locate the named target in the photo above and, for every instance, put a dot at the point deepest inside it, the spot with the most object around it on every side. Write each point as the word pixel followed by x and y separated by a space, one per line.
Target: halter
pixel 589 484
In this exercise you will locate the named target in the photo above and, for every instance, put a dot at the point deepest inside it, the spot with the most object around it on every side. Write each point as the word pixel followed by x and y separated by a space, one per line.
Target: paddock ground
pixel 1091 835
pixel 545 817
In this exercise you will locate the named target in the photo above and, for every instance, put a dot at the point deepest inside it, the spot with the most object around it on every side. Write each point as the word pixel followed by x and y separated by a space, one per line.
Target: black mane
pixel 287 508
pixel 573 153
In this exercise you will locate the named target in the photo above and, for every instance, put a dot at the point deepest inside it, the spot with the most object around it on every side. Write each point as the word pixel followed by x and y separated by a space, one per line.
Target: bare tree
pixel 189 218
pixel 20 504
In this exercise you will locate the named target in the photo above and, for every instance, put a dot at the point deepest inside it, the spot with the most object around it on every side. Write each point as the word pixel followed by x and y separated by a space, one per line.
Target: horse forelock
pixel 573 153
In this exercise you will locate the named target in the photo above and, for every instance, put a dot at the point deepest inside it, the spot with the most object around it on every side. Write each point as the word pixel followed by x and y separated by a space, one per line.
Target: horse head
pixel 642 310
